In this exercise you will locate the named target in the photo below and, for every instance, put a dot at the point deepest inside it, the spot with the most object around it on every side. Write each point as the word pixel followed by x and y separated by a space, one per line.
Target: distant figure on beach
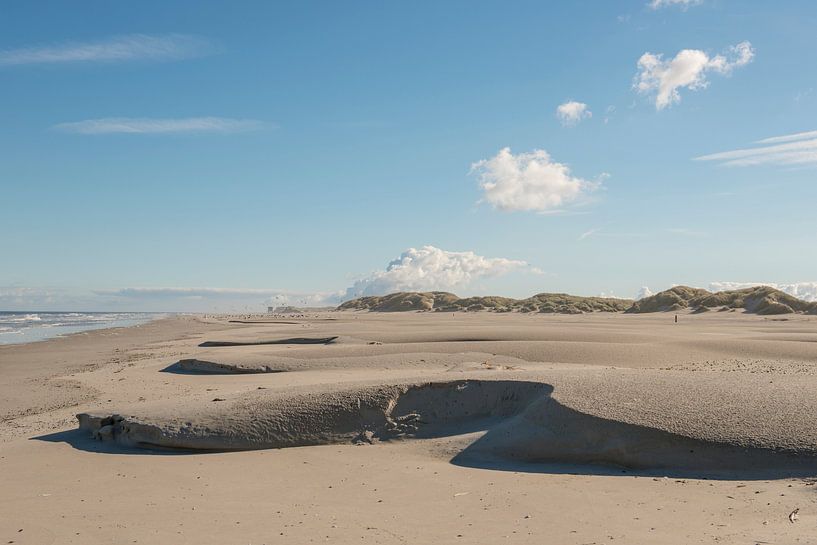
pixel 676 318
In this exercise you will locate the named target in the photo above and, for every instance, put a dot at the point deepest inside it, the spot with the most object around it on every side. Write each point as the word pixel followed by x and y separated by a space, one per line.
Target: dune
pixel 204 366
pixel 763 300
pixel 556 303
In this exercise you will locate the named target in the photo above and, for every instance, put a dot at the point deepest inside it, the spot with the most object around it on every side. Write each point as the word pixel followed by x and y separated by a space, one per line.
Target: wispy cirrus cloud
pixel 789 137
pixel 791 149
pixel 600 232
pixel 683 4
pixel 131 125
pixel 131 47
pixel 589 233
pixel 686 231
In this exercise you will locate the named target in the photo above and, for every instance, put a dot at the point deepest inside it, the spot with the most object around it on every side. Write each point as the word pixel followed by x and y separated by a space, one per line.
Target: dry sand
pixel 421 427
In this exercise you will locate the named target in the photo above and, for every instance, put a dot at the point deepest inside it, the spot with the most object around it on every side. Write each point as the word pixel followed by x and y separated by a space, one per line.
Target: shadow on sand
pixel 521 427
pixel 80 440
pixel 293 340
pixel 205 368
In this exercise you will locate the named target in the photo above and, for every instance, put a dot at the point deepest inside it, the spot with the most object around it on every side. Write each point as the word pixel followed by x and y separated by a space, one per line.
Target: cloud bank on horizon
pixel 427 268
pixel 132 47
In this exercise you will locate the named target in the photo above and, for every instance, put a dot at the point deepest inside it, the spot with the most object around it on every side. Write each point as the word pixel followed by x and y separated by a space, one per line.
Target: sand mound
pixel 550 432
pixel 759 300
pixel 527 420
pixel 206 367
pixel 250 359
pixel 257 421
pixel 559 303
pixel 294 340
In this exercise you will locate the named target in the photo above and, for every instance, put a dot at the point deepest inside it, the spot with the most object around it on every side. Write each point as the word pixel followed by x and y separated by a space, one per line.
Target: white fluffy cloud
pixel 529 181
pixel 430 268
pixel 132 47
pixel 791 149
pixel 806 291
pixel 683 4
pixel 571 113
pixel 643 292
pixel 128 125
pixel 688 69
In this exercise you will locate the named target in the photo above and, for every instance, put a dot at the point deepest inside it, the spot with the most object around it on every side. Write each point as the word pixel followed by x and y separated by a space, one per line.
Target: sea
pixel 26 327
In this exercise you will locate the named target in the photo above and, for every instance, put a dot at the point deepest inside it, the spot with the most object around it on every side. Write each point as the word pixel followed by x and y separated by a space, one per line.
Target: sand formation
pixel 441 301
pixel 757 300
pixel 527 419
pixel 292 340
pixel 497 389
pixel 763 300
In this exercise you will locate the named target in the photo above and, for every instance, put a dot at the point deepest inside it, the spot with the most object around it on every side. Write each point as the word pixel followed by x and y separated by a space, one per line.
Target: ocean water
pixel 26 327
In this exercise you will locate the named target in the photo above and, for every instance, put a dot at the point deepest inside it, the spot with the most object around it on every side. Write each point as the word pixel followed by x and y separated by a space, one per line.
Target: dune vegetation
pixel 763 300
pixel 558 303
pixel 756 300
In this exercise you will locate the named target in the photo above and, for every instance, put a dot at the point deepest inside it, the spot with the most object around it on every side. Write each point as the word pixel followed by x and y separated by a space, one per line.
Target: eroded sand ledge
pixel 526 421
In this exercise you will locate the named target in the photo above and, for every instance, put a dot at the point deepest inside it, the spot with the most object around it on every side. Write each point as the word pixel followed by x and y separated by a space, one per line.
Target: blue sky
pixel 250 148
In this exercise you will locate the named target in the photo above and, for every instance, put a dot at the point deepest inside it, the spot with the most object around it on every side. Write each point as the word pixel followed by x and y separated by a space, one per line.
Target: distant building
pixel 284 310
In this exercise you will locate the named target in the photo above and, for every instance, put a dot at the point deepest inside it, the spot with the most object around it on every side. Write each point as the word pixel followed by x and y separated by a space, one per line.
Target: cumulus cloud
pixel 688 69
pixel 430 268
pixel 791 149
pixel 643 292
pixel 529 181
pixel 683 4
pixel 571 113
pixel 125 125
pixel 131 47
pixel 806 291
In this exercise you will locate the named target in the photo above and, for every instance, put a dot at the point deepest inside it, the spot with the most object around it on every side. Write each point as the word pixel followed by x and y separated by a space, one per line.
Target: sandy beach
pixel 491 428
